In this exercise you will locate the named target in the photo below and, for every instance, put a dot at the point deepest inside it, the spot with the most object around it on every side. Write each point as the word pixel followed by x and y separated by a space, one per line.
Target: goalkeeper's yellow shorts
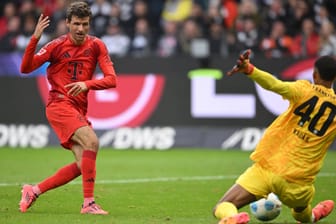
pixel 261 182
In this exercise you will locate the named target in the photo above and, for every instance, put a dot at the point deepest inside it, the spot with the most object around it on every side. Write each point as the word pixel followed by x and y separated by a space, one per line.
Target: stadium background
pixel 182 100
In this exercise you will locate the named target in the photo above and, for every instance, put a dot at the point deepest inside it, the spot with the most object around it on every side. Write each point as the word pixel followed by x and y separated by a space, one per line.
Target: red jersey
pixel 71 63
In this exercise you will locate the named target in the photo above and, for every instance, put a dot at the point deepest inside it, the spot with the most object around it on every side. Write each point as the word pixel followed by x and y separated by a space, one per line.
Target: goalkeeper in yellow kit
pixel 292 149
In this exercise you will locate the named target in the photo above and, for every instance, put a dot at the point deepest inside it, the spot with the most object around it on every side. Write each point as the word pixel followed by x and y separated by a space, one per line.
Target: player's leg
pixel 86 153
pixel 251 185
pixel 308 215
pixel 302 214
pixel 62 176
pixel 31 192
pixel 299 198
pixel 59 115
pixel 227 208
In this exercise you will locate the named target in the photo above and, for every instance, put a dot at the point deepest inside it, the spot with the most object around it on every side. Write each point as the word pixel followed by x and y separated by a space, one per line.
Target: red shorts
pixel 65 119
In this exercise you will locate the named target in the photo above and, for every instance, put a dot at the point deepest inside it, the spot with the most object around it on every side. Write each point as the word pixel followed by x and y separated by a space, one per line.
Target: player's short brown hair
pixel 80 9
pixel 326 66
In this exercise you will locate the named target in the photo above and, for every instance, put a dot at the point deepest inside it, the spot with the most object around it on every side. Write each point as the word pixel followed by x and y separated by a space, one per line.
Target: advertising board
pixel 158 104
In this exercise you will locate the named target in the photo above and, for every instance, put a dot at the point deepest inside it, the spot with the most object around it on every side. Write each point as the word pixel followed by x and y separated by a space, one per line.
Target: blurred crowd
pixel 165 28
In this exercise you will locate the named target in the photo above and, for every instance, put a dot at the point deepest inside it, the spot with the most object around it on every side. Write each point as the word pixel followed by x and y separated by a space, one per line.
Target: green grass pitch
pixel 143 187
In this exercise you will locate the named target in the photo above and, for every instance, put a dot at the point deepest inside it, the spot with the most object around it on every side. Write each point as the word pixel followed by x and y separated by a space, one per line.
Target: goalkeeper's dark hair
pixel 81 9
pixel 326 66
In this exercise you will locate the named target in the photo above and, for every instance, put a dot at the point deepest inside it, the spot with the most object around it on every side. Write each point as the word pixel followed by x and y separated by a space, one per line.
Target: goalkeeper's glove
pixel 243 64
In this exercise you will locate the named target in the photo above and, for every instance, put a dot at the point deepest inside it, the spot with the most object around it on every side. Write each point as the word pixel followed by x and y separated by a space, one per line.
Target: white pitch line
pixel 145 180
pixel 160 179
pixel 166 179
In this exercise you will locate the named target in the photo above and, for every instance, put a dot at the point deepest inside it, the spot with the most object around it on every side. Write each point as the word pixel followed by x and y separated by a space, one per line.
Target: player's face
pixel 78 28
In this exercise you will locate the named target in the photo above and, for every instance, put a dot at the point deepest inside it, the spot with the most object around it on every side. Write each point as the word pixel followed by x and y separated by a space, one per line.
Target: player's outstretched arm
pixel 30 61
pixel 263 78
pixel 243 64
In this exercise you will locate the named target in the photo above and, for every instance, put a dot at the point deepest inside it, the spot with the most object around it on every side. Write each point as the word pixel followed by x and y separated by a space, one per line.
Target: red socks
pixel 61 177
pixel 88 172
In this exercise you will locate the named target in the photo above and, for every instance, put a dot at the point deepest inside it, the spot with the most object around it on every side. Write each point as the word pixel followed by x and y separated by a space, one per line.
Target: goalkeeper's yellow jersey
pixel 295 144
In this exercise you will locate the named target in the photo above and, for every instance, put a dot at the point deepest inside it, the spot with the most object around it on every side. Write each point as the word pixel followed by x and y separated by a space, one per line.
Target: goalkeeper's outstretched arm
pixel 263 78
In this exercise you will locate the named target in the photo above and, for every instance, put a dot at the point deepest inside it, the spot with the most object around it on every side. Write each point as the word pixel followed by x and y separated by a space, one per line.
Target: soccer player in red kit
pixel 73 58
